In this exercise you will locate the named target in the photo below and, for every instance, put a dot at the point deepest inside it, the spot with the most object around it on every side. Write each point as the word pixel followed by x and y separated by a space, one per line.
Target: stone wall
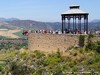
pixel 51 42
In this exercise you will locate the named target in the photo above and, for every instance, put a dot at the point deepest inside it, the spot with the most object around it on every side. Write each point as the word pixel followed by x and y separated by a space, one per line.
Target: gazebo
pixel 74 17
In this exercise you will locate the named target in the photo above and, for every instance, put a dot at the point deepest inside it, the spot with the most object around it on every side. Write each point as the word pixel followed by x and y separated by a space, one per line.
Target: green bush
pixel 90 36
pixel 81 40
pixel 98 46
pixel 91 46
pixel 98 49
pixel 38 54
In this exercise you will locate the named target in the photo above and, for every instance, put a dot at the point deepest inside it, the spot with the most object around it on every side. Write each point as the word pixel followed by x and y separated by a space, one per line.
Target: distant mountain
pixel 95 21
pixel 2 19
pixel 5 25
pixel 12 19
pixel 8 19
pixel 13 23
pixel 29 24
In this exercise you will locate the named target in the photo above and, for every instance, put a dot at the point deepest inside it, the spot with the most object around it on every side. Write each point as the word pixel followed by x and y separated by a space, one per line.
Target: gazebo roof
pixel 74 9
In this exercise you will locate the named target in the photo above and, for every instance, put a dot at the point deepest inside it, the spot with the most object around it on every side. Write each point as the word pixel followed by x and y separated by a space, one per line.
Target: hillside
pixel 5 25
pixel 14 23
pixel 24 62
pixel 28 24
pixel 82 60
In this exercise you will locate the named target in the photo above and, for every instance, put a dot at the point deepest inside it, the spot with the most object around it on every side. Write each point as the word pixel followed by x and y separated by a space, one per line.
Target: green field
pixel 2 37
pixel 20 35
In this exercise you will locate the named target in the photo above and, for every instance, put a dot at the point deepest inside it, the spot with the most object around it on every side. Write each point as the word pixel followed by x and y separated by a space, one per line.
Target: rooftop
pixel 74 9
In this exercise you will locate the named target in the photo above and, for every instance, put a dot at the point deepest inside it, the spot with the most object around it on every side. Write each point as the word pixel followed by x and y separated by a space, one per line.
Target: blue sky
pixel 46 10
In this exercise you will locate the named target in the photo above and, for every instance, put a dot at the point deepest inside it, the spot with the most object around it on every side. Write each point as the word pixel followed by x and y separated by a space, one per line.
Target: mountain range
pixel 14 23
pixel 8 19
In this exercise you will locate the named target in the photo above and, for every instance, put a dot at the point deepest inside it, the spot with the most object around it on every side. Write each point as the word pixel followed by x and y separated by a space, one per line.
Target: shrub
pixel 58 53
pixel 98 46
pixel 98 49
pixel 70 48
pixel 38 54
pixel 81 40
pixel 75 54
pixel 90 45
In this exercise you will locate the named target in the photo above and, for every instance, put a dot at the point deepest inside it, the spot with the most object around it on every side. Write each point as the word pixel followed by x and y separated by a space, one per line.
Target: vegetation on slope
pixel 7 45
pixel 25 62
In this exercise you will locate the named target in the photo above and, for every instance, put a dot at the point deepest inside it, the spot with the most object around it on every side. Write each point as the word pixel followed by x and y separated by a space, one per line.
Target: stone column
pixel 68 23
pixel 73 23
pixel 62 25
pixel 84 23
pixel 79 23
pixel 87 24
